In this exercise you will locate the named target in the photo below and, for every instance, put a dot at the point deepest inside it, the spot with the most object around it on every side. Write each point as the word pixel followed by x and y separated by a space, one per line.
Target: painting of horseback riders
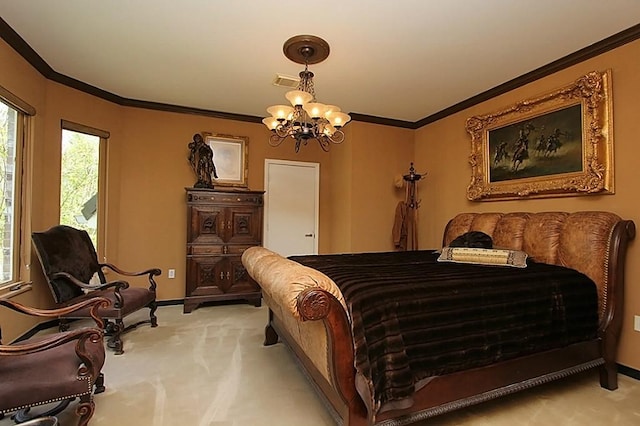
pixel 558 143
pixel 546 145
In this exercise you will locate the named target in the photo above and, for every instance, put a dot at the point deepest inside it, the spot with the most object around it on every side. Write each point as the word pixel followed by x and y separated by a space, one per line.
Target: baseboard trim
pixel 55 322
pixel 170 302
pixel 628 371
pixel 37 328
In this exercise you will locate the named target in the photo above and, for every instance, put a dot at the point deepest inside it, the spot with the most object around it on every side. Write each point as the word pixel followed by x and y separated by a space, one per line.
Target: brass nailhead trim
pixel 62 398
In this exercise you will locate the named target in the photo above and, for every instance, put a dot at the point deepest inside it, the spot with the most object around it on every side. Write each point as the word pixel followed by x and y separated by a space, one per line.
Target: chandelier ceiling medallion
pixel 306 118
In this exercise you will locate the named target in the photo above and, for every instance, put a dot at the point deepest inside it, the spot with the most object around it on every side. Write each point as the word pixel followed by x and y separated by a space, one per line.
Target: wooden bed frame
pixel 307 312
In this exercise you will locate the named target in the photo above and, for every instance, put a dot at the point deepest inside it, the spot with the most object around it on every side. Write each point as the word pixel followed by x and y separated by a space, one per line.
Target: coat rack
pixel 412 178
pixel 405 227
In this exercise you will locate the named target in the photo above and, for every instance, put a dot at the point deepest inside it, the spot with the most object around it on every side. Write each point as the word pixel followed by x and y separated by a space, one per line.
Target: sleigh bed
pixel 394 338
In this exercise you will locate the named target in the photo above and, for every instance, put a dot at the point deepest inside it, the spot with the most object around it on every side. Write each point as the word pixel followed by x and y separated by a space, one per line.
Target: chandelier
pixel 306 118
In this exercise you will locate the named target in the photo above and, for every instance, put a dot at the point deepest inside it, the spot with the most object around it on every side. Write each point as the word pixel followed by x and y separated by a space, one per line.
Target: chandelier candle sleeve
pixel 280 112
pixel 315 109
pixel 270 122
pixel 299 97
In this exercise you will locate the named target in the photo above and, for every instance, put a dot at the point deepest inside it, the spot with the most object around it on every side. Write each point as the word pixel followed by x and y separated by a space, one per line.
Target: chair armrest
pixel 118 284
pixel 151 272
pixel 54 340
pixel 95 303
pixel 89 348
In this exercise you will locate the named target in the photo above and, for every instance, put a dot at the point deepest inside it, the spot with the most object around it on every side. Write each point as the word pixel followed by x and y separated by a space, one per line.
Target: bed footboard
pixel 308 313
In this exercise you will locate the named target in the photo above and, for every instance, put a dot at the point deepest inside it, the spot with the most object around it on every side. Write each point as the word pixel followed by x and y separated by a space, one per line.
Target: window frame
pixel 22 195
pixel 101 246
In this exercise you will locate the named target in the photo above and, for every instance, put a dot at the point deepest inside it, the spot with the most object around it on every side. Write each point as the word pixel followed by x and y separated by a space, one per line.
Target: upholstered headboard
pixel 589 242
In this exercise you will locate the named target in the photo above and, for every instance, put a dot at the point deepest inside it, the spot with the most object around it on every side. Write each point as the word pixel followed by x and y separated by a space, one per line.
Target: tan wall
pixel 154 171
pixel 148 170
pixel 444 147
pixel 362 186
pixel 380 153
pixel 341 188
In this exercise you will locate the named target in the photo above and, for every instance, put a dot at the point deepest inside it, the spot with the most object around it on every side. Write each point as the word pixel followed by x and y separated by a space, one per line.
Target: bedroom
pixel 147 218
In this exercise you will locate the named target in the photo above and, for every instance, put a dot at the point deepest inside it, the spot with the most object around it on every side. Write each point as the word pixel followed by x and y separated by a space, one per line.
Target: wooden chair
pixel 69 262
pixel 55 368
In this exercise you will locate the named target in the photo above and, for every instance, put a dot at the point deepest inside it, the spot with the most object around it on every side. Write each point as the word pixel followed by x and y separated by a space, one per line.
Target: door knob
pixel 308 235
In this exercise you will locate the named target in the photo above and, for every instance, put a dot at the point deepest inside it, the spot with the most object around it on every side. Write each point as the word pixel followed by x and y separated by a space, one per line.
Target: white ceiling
pixel 402 59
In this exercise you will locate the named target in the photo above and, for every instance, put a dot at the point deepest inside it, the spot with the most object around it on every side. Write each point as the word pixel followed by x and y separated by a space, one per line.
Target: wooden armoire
pixel 221 224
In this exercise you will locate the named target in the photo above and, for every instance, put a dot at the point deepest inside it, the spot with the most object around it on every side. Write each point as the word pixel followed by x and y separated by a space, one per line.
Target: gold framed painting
pixel 230 159
pixel 557 144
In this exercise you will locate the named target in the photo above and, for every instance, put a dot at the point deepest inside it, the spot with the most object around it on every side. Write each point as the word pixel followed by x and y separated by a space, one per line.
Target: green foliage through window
pixel 79 181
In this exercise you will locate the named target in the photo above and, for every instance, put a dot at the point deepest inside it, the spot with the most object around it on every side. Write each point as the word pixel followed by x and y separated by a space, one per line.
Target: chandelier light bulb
pixel 280 112
pixel 338 119
pixel 315 110
pixel 270 122
pixel 298 97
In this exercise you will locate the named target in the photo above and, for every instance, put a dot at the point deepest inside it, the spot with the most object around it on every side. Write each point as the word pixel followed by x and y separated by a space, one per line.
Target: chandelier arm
pixel 324 143
pixel 315 130
pixel 299 115
pixel 283 130
pixel 337 137
pixel 276 140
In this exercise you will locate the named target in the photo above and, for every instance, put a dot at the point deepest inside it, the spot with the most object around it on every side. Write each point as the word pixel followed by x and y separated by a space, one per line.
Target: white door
pixel 291 206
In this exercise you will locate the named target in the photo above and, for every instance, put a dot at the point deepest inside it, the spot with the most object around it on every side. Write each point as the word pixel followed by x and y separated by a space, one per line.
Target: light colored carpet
pixel 210 368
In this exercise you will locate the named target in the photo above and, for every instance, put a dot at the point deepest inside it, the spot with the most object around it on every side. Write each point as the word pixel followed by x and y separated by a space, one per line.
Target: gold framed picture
pixel 230 159
pixel 557 144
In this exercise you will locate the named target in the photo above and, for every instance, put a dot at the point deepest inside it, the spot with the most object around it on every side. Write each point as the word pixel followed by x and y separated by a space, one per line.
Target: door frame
pixel 316 225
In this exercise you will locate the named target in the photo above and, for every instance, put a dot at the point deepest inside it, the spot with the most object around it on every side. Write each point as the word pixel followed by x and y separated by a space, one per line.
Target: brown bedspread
pixel 414 318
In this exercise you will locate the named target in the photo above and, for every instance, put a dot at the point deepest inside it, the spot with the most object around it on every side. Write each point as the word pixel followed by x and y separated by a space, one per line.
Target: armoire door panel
pixel 203 274
pixel 241 279
pixel 207 225
pixel 246 226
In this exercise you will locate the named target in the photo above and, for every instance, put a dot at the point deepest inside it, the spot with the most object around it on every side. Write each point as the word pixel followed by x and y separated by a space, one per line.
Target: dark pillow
pixel 474 239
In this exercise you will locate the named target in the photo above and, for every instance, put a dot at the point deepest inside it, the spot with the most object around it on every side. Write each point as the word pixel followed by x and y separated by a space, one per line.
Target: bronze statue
pixel 201 160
